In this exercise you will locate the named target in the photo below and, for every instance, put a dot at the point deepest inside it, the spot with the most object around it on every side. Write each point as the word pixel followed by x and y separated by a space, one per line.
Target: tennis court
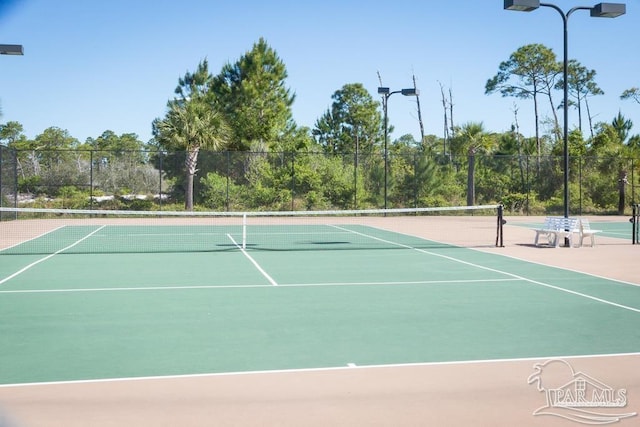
pixel 307 324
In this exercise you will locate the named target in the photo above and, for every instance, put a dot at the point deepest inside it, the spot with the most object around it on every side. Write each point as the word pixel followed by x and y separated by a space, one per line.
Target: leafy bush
pixel 70 197
pixel 220 193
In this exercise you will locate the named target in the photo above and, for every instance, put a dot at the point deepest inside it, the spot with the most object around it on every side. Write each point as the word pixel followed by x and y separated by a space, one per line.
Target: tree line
pixel 228 141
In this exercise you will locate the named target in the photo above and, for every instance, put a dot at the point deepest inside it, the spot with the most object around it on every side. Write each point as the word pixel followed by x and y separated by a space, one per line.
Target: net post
pixel 499 231
pixel 244 231
pixel 634 223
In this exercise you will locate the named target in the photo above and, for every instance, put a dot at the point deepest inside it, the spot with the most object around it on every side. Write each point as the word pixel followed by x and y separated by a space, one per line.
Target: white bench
pixel 557 228
pixel 584 230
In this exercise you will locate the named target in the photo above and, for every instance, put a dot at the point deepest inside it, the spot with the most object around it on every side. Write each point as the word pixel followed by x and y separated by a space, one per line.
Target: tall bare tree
pixel 582 85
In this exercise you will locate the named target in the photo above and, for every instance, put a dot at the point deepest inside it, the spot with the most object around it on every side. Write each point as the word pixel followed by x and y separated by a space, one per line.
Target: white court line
pixel 535 282
pixel 126 236
pixel 610 279
pixel 544 264
pixel 274 283
pixel 130 289
pixel 289 285
pixel 398 283
pixel 253 261
pixel 49 256
pixel 349 366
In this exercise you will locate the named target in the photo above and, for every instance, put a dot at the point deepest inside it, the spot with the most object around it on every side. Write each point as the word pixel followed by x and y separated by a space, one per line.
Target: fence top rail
pixel 346 153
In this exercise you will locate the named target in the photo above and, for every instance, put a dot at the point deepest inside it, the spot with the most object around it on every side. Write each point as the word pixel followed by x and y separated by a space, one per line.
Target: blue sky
pixel 91 66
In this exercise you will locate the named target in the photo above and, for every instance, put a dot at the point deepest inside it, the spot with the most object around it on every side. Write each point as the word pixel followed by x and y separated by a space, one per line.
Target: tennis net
pixel 69 231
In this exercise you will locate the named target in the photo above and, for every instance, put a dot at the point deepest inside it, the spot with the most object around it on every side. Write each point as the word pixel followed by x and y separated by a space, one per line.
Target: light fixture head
pixel 11 49
pixel 383 90
pixel 521 5
pixel 410 92
pixel 608 10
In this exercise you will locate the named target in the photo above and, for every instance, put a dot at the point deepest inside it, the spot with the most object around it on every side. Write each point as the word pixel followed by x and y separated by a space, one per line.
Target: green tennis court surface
pixel 88 308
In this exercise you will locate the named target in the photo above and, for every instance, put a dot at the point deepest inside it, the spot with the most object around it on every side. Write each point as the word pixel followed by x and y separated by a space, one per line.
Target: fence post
pixel 293 180
pixel 580 184
pixel 91 179
pixel 415 180
pixel 527 188
pixel 1 173
pixel 160 165
pixel 633 185
pixel 15 180
pixel 227 202
pixel 355 177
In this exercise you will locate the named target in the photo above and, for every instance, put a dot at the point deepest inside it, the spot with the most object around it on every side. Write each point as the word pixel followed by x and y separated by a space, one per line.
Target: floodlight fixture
pixel 608 10
pixel 521 5
pixel 11 49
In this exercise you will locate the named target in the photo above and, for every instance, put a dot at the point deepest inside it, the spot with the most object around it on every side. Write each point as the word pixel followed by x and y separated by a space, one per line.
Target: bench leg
pixel 537 239
pixel 551 238
pixel 591 236
pixel 563 236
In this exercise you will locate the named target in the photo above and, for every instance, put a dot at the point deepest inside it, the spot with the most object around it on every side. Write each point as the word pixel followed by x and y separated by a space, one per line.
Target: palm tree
pixel 191 125
pixel 471 138
pixel 194 121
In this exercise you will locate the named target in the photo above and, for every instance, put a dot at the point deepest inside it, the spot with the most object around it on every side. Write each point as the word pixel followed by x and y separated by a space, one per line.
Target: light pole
pixel 9 49
pixel 386 93
pixel 601 10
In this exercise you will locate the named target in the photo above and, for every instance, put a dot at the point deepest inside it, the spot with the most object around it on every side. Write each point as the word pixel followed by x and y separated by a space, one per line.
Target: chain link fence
pixel 244 181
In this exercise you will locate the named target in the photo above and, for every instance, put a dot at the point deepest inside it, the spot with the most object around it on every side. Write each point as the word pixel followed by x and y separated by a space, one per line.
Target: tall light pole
pixel 601 10
pixel 8 49
pixel 386 93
